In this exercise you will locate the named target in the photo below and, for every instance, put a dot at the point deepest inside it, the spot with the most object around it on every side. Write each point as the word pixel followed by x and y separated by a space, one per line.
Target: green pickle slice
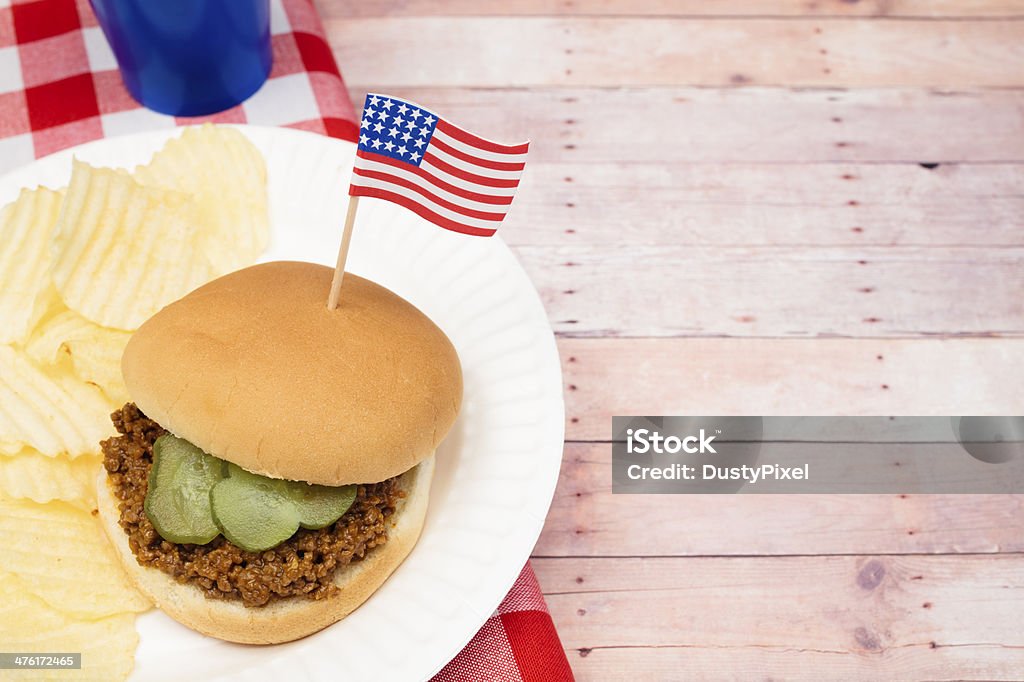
pixel 319 505
pixel 178 500
pixel 194 497
pixel 251 511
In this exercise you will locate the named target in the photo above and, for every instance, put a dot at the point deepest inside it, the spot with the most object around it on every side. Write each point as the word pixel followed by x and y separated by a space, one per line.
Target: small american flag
pixel 454 179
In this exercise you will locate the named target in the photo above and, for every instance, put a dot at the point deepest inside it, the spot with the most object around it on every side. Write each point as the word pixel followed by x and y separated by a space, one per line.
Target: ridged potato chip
pixel 94 351
pixel 121 250
pixel 25 229
pixel 227 177
pixel 61 555
pixel 29 624
pixel 32 476
pixel 56 327
pixel 50 410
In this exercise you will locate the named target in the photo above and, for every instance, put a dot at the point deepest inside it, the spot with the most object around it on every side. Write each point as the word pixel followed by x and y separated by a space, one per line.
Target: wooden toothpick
pixel 339 268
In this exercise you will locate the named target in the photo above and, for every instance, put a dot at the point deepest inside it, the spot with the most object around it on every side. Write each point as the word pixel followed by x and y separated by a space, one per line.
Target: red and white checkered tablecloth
pixel 516 644
pixel 59 84
pixel 59 87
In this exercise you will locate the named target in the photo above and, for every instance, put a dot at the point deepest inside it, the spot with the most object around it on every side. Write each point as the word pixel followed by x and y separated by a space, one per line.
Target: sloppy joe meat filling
pixel 303 565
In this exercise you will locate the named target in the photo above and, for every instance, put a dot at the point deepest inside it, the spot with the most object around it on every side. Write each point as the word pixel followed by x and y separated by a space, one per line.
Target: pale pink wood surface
pixel 778 207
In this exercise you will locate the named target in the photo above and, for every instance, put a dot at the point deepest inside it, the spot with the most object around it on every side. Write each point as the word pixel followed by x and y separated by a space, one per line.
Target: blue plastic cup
pixel 189 57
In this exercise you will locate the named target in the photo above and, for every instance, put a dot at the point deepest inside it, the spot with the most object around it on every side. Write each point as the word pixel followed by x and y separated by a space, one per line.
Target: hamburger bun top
pixel 253 368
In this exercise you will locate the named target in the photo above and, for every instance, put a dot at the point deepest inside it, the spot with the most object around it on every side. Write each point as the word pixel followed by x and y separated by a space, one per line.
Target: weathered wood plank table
pixel 760 207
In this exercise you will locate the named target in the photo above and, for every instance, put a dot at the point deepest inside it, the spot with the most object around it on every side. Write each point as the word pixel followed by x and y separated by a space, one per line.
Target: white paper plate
pixel 496 472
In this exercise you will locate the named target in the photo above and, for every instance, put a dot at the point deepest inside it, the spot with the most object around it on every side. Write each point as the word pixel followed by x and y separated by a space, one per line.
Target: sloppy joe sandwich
pixel 274 464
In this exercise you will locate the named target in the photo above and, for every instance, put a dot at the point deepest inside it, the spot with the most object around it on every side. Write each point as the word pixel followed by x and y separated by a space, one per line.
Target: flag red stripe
pixel 420 209
pixel 467 176
pixel 476 161
pixel 402 182
pixel 470 138
pixel 432 189
pixel 464 193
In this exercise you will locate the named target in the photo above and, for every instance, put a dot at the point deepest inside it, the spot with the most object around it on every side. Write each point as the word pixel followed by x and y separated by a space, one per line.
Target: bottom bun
pixel 286 619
